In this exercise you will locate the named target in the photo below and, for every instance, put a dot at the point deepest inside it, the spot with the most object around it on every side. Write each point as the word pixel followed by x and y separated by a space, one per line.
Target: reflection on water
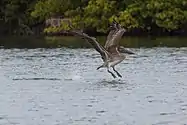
pixel 62 87
pixel 74 42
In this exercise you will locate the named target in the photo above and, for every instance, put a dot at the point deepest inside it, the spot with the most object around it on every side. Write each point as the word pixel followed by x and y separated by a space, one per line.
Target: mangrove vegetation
pixel 153 17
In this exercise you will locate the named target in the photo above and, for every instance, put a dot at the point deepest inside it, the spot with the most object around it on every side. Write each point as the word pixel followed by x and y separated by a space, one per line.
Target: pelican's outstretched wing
pixel 113 39
pixel 92 40
pixel 113 30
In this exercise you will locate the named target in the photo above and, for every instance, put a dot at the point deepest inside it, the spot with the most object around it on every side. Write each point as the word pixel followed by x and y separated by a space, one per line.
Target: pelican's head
pixel 123 50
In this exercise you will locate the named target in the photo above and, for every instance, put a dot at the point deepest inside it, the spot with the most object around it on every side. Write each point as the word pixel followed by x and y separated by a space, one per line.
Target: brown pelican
pixel 111 53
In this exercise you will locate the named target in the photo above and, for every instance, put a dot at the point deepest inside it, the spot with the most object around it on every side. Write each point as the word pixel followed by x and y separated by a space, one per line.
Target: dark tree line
pixel 138 16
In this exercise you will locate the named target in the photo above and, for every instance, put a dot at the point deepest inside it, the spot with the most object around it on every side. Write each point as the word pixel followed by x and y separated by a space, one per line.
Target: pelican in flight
pixel 111 53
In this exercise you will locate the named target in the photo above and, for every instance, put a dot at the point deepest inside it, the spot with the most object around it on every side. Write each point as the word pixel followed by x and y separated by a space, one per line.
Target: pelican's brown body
pixel 111 52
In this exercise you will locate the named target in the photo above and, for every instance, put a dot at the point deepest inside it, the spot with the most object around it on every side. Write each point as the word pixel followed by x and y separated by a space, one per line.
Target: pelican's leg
pixel 117 72
pixel 99 67
pixel 111 73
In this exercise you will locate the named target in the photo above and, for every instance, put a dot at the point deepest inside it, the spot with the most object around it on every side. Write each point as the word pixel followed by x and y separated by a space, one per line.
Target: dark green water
pixel 74 42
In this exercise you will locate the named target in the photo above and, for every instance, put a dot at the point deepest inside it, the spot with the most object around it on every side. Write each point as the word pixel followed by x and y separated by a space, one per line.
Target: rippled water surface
pixel 63 87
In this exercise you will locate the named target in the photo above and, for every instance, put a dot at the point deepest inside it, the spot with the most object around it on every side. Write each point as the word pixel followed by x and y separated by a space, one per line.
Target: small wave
pixel 37 79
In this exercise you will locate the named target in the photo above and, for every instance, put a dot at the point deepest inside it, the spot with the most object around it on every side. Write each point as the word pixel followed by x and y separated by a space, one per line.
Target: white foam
pixel 76 77
pixel 73 76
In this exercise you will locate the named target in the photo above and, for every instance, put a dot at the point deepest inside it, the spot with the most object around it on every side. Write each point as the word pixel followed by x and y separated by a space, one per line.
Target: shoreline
pixel 44 41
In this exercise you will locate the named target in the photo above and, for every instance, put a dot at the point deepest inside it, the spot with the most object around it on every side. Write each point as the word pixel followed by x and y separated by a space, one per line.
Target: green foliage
pixel 149 15
pixel 146 14
pixel 47 8
pixel 98 12
pixel 133 14
pixel 95 14
pixel 15 15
